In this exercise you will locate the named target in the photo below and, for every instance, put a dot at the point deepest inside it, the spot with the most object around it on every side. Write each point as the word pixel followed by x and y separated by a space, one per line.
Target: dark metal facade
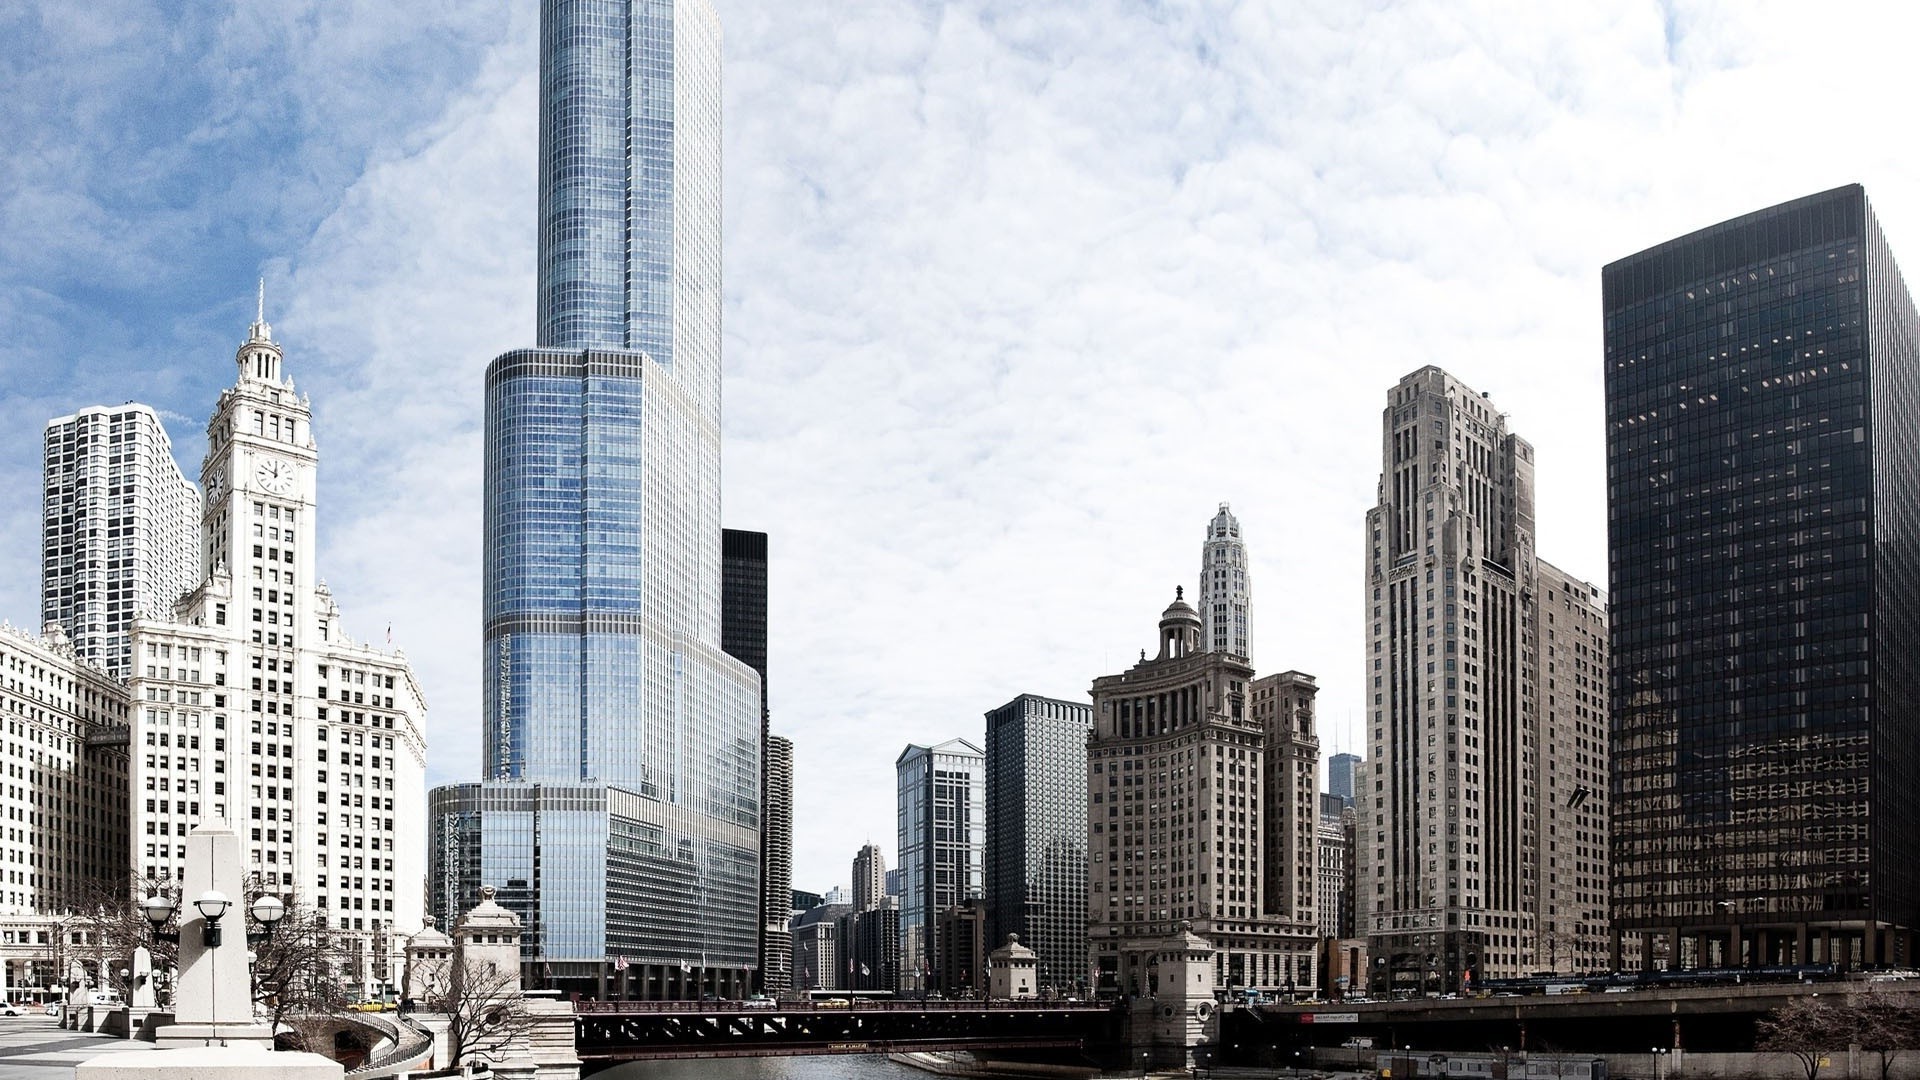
pixel 1763 390
pixel 1036 853
pixel 743 636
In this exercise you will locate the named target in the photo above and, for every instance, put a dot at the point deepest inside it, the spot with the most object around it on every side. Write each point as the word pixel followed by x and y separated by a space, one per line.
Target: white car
pixel 10 1009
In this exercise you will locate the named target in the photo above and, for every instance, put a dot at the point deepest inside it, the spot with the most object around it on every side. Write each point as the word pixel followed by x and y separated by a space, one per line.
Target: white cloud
pixel 1016 292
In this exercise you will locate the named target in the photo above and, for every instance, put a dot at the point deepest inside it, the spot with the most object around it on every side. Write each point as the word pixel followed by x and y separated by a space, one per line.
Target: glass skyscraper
pixel 1036 832
pixel 606 685
pixel 1763 470
pixel 942 839
pixel 1341 770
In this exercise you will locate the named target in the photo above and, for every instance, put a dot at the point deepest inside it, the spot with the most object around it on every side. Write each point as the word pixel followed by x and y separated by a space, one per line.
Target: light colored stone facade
pixel 253 705
pixel 1465 859
pixel 1177 770
pixel 1226 588
pixel 63 804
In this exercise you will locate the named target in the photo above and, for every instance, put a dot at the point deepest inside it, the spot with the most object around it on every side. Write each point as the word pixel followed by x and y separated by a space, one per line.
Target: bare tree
pixel 1884 1023
pixel 102 927
pixel 1807 1029
pixel 485 1010
pixel 296 969
pixel 1557 946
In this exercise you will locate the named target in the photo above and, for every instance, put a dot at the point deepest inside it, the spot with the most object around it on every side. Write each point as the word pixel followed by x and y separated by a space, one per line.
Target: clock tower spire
pixel 259 355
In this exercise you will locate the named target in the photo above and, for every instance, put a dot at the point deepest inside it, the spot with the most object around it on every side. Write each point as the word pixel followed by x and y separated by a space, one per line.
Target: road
pixel 33 1047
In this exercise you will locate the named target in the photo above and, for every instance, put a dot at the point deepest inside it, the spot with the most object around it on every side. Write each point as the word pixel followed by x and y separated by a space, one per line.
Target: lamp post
pixel 1659 1054
pixel 267 910
pixel 159 910
pixel 212 906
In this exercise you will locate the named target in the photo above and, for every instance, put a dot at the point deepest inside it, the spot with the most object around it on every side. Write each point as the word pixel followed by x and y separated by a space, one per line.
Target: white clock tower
pixel 260 447
pixel 253 706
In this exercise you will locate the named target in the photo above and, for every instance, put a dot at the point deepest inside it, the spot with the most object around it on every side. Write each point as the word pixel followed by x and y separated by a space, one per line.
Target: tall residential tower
pixel 1482 837
pixel 119 529
pixel 621 743
pixel 1763 470
pixel 869 878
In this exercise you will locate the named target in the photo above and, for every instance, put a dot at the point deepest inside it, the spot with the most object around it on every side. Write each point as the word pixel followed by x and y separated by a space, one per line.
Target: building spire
pixel 260 331
pixel 259 356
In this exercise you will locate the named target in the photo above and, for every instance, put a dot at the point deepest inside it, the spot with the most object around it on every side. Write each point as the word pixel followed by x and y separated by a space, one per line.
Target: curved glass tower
pixel 613 718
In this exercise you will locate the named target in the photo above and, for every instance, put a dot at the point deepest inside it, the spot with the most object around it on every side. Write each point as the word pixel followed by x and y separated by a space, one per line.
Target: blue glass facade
pixel 630 182
pixel 943 835
pixel 621 744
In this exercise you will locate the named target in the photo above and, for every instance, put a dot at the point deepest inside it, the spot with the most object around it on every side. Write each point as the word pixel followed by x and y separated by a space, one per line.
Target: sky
pixel 1016 294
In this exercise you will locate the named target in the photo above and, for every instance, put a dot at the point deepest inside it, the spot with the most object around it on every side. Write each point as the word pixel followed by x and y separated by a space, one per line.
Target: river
pixel 845 1067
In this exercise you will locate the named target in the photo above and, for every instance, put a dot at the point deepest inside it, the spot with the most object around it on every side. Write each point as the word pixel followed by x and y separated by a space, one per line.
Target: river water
pixel 844 1067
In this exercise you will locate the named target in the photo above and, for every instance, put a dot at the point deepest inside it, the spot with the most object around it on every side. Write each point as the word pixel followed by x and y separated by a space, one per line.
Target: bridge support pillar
pixel 1175 1027
pixel 550 1037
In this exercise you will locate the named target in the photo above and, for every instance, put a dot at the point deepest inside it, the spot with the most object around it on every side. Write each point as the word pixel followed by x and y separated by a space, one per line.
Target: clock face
pixel 216 482
pixel 275 475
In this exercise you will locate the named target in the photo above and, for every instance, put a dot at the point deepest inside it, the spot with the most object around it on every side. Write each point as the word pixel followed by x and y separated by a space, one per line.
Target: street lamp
pixel 267 910
pixel 212 905
pixel 158 909
pixel 1659 1053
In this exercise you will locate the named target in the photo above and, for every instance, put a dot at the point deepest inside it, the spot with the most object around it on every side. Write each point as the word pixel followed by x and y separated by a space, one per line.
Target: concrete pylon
pixel 213 989
pixel 142 995
pixel 214 1036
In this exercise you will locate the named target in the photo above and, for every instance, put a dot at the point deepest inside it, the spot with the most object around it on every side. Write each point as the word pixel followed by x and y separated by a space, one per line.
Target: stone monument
pixel 214 1035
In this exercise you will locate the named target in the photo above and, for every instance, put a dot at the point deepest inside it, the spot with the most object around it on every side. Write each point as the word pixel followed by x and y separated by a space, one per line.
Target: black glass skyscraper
pixel 1763 469
pixel 743 635
pixel 1035 860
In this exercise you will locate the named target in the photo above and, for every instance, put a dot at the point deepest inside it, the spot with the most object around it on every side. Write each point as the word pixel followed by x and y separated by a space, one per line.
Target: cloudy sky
pixel 1017 292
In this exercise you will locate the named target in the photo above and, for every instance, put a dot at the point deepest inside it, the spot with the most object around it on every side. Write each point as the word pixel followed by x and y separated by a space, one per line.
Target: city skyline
pixel 909 391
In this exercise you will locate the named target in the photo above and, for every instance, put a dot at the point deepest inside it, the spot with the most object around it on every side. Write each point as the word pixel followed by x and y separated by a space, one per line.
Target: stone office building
pixel 1177 773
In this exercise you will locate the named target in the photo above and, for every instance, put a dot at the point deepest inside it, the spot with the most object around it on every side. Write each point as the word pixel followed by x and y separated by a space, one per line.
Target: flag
pixel 389 635
pixel 686 968
pixel 864 971
pixel 547 969
pixel 619 963
pixel 849 965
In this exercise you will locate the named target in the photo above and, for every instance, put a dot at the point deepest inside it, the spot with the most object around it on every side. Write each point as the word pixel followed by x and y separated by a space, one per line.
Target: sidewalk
pixel 33 1047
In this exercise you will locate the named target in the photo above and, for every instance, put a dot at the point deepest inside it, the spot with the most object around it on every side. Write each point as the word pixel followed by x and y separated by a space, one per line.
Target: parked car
pixel 10 1009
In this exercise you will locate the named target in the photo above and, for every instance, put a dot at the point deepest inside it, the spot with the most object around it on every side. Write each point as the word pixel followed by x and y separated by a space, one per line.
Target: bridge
pixel 610 1032
pixel 1717 1018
